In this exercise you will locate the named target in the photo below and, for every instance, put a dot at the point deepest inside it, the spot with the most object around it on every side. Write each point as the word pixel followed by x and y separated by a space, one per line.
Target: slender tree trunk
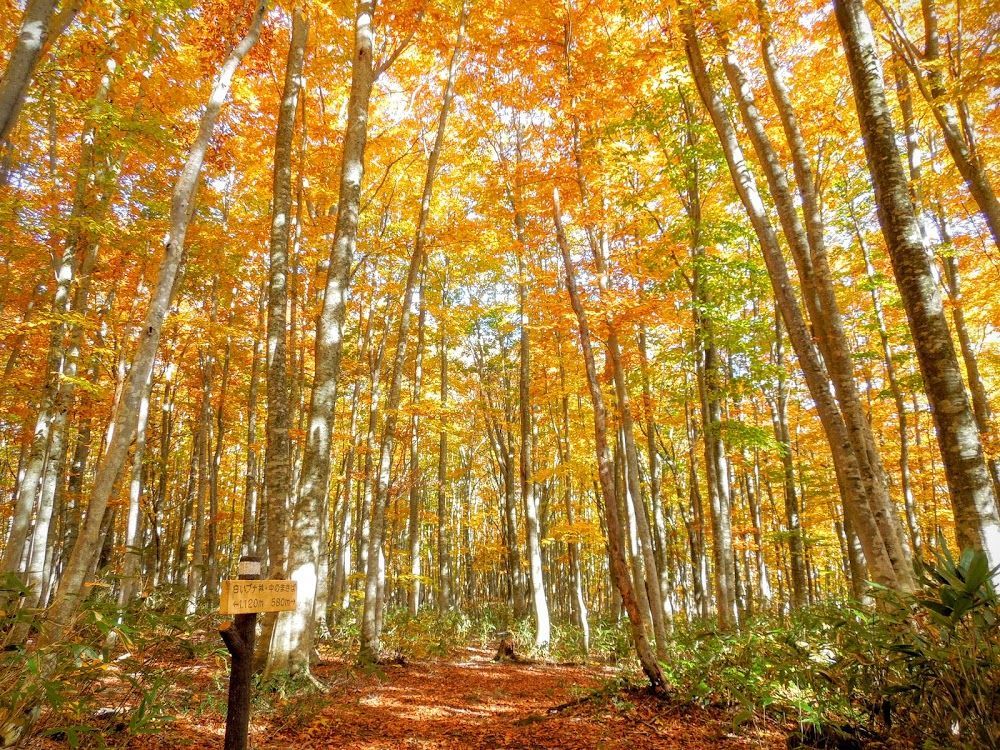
pixel 753 501
pixel 515 591
pixel 977 389
pixel 39 566
pixel 289 629
pixel 849 475
pixel 370 634
pixel 793 523
pixel 710 381
pixel 131 567
pixel 212 582
pixel 342 569
pixel 186 521
pixel 808 247
pixel 528 498
pixel 717 471
pixel 443 555
pixel 695 524
pixel 619 566
pixel 416 485
pixel 248 534
pixel 565 460
pixel 655 501
pixel 41 477
pixel 196 573
pixel 313 496
pixel 909 504
pixel 28 488
pixel 974 505
pixel 365 514
pixel 126 416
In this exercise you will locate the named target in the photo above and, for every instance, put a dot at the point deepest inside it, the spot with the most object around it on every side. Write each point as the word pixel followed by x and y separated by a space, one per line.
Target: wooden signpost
pixel 245 597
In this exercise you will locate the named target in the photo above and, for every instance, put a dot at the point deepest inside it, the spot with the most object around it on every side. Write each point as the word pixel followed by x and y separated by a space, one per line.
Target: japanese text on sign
pixel 245 597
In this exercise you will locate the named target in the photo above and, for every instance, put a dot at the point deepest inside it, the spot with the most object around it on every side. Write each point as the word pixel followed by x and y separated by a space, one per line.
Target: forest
pixel 594 373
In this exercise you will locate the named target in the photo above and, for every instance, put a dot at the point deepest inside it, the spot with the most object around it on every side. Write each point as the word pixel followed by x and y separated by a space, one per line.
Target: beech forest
pixel 499 374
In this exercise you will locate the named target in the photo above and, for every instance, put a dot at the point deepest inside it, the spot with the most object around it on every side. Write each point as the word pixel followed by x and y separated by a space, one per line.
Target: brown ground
pixel 467 703
pixel 477 703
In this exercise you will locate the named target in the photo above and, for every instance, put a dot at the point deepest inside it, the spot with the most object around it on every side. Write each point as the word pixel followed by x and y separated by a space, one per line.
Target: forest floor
pixel 468 702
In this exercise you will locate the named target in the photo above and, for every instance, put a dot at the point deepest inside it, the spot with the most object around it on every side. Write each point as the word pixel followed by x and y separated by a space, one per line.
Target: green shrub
pixel 924 667
pixel 948 679
pixel 82 689
pixel 611 640
pixel 112 677
pixel 428 635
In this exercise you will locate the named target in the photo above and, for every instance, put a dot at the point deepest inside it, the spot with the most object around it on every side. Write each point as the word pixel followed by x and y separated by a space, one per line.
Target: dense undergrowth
pixel 920 670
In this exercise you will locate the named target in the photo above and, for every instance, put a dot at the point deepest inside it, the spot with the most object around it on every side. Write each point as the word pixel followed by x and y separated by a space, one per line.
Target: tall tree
pixel 371 617
pixel 805 237
pixel 616 552
pixel 977 523
pixel 136 386
pixel 848 472
pixel 278 457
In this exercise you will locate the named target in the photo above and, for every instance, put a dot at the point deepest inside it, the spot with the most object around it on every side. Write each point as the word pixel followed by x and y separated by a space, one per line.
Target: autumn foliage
pixel 650 313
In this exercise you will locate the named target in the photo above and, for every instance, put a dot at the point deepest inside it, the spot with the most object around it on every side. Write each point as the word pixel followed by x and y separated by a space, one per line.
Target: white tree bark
pixel 71 584
pixel 977 523
pixel 40 25
pixel 854 495
pixel 45 461
pixel 371 616
pixel 303 541
pixel 616 553
pixel 807 243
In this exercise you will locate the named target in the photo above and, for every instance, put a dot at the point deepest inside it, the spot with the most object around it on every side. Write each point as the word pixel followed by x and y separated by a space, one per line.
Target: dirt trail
pixel 476 703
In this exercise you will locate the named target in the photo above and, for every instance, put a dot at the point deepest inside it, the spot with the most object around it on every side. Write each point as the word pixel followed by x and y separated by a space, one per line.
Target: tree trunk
pixel 648 579
pixel 909 503
pixel 133 540
pixel 849 476
pixel 808 247
pixel 292 628
pixel 565 460
pixel 248 534
pixel 342 569
pixel 663 561
pixel 51 431
pixel 444 597
pixel 977 389
pixel 793 524
pixel 528 498
pixel 369 651
pixel 196 573
pixel 716 467
pixel 616 553
pixel 976 520
pixel 40 27
pixel 413 520
pixel 126 415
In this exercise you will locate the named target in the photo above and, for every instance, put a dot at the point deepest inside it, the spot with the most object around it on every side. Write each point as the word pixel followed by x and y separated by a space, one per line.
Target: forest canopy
pixel 573 324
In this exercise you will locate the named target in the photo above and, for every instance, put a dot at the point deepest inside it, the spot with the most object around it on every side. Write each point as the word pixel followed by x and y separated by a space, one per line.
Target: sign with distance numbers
pixel 241 597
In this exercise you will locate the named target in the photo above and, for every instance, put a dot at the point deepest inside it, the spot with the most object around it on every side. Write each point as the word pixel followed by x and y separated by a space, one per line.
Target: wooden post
pixel 238 635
